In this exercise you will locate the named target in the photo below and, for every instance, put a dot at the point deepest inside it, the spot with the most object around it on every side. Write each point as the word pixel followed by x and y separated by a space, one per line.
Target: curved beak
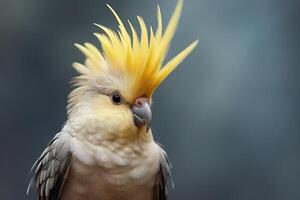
pixel 142 114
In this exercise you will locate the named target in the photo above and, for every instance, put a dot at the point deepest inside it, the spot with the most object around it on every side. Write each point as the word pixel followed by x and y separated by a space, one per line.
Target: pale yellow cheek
pixel 114 119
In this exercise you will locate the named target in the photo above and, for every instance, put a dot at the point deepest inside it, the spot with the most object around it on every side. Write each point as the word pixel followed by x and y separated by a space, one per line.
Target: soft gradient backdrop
pixel 229 116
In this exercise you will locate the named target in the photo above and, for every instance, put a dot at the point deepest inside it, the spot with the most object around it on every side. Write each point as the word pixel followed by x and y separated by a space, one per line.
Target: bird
pixel 106 149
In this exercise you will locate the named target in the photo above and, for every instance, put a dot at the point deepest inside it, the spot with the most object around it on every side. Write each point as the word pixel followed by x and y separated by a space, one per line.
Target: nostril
pixel 140 102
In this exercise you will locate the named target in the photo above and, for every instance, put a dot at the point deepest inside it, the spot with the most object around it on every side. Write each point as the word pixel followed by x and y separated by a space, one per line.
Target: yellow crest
pixel 140 59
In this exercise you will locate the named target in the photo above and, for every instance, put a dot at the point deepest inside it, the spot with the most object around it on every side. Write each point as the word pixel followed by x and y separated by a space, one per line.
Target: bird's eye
pixel 116 98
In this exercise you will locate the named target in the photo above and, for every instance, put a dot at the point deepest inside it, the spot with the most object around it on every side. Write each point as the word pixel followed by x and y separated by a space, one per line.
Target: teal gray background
pixel 229 116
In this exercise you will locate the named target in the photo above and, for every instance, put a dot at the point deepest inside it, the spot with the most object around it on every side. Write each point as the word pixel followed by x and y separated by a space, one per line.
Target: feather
pixel 163 179
pixel 140 60
pixel 50 167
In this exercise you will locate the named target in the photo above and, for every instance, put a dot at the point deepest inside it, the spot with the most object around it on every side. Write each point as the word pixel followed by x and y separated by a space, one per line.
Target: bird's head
pixel 115 86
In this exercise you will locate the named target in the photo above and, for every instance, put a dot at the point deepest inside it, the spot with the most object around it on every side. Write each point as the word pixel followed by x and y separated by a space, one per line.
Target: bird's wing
pixel 163 178
pixel 51 170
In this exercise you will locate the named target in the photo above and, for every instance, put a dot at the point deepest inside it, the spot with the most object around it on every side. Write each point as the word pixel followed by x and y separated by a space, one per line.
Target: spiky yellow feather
pixel 139 59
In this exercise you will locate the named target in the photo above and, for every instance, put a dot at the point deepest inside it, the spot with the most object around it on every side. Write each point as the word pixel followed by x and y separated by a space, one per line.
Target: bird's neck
pixel 96 130
pixel 114 152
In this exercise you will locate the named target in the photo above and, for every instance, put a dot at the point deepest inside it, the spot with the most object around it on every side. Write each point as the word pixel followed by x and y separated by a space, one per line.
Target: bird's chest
pixel 106 174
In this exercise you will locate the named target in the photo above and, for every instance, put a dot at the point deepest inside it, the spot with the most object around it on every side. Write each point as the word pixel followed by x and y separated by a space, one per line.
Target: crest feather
pixel 139 58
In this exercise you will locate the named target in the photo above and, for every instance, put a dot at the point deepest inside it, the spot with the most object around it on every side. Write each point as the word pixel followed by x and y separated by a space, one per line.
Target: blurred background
pixel 229 116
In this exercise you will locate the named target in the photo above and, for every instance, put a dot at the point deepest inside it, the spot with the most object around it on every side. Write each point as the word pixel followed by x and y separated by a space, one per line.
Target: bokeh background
pixel 228 116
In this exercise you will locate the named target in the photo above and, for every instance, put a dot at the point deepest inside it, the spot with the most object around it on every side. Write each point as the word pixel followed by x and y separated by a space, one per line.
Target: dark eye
pixel 116 98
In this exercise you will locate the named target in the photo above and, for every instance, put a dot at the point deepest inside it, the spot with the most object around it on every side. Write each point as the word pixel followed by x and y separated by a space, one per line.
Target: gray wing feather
pixel 51 170
pixel 164 178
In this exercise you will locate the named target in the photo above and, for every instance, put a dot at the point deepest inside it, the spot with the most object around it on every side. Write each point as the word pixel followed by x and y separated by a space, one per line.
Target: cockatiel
pixel 106 151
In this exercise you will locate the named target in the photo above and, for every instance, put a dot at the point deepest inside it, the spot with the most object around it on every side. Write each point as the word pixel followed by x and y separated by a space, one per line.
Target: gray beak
pixel 142 114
